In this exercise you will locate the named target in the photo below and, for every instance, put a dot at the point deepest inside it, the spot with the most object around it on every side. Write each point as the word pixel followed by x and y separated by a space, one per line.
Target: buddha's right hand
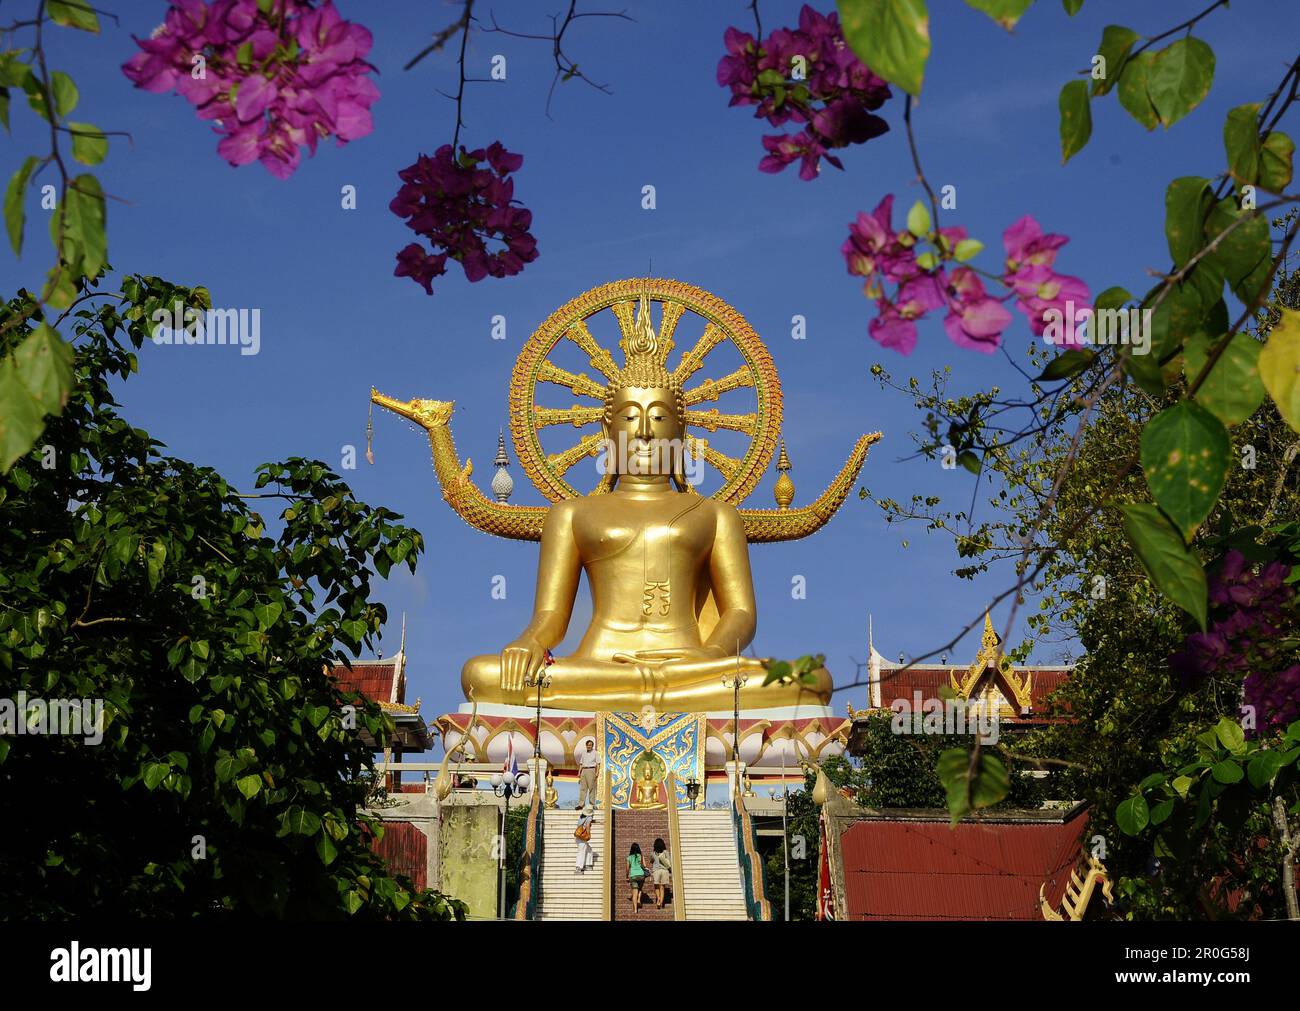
pixel 520 661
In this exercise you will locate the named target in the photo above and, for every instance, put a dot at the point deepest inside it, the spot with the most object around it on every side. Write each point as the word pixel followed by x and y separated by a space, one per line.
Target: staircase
pixel 643 828
pixel 710 869
pixel 566 895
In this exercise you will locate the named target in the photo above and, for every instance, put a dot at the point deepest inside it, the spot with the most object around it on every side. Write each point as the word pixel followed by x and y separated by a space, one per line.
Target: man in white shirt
pixel 587 759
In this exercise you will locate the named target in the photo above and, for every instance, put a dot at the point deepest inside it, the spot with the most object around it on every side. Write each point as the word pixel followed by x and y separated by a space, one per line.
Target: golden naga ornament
pixel 672 597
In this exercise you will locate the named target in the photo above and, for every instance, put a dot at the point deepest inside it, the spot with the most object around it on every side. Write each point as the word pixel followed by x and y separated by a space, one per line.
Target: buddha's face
pixel 644 431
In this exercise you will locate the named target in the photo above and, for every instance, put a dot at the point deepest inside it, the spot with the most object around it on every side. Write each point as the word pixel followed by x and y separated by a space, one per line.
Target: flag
pixel 510 765
pixel 825 896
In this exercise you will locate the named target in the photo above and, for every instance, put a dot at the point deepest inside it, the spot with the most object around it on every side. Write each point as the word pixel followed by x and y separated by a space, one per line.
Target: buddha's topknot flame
pixel 644 370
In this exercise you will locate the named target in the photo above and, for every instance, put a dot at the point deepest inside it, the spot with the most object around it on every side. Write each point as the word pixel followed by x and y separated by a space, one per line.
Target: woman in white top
pixel 586 856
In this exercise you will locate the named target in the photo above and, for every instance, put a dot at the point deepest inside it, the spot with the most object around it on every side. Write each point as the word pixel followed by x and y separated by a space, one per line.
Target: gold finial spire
pixel 783 491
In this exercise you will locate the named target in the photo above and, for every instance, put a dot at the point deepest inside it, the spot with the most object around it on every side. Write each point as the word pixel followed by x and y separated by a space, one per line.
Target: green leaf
pixel 44 361
pixel 72 14
pixel 64 91
pixel 155 773
pixel 1241 141
pixel 1161 812
pixel 1114 297
pixel 1230 735
pixel 892 37
pixel 4 107
pixel 1275 162
pixel 992 784
pixel 1227 772
pixel 299 821
pixel 326 849
pixel 918 220
pixel 777 670
pixel 226 766
pixel 1175 570
pixel 1179 78
pixel 86 223
pixel 1187 199
pixel 89 145
pixel 1076 119
pixel 1279 366
pixel 1244 254
pixel 1233 390
pixel 953 770
pixel 352 901
pixel 1067 364
pixel 249 785
pixel 1005 12
pixel 1263 767
pixel 1116 41
pixel 1185 455
pixel 1133 90
pixel 37 374
pixel 268 614
pixel 15 214
pixel 1132 815
pixel 1072 7
pixel 968 459
pixel 967 249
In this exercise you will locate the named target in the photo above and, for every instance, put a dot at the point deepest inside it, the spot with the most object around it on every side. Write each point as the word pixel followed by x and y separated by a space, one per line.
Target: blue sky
pixel 335 320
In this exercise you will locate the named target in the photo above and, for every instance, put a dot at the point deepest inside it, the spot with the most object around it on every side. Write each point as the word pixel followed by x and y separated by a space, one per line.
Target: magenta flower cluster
pixel 272 81
pixel 805 75
pixel 907 281
pixel 1040 290
pixel 1260 611
pixel 460 204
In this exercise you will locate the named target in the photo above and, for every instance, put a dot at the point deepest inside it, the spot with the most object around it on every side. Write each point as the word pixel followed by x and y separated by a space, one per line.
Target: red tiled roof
pixel 372 678
pixel 904 869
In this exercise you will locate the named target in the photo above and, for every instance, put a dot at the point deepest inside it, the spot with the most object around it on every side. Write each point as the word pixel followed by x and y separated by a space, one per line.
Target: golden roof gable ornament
pixel 646 354
pixel 990 655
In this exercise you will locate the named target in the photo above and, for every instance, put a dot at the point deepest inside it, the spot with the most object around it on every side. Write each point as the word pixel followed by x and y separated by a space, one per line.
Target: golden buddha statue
pixel 672 596
pixel 645 791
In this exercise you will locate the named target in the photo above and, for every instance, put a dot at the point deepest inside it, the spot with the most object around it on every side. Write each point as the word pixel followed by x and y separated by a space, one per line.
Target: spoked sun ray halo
pixel 685 313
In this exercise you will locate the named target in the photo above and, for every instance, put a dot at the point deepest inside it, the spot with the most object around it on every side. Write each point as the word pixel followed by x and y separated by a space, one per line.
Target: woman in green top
pixel 635 875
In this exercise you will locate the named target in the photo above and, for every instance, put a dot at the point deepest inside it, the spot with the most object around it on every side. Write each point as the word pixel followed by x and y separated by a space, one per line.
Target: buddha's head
pixel 645 413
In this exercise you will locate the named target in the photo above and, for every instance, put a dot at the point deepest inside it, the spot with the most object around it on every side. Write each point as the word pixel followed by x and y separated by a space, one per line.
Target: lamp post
pixel 736 681
pixel 785 832
pixel 506 784
pixel 542 680
pixel 692 790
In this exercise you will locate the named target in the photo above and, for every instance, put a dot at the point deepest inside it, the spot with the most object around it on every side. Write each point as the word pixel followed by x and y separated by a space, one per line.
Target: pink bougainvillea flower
pixel 918 268
pixel 873 245
pixel 272 81
pixel 459 204
pixel 891 330
pixel 805 75
pixel 975 320
pixel 1041 293
pixel 1027 246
